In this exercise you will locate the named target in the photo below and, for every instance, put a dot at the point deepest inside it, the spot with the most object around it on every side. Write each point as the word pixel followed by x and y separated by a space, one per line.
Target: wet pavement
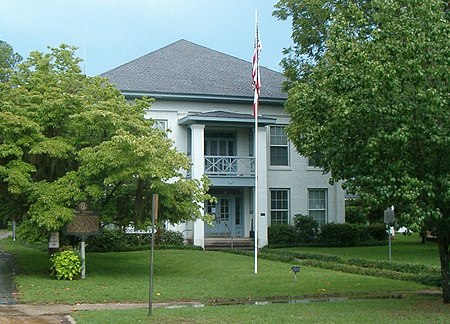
pixel 7 287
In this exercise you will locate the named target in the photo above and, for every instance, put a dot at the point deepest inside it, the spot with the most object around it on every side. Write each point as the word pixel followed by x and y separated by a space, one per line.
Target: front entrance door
pixel 227 220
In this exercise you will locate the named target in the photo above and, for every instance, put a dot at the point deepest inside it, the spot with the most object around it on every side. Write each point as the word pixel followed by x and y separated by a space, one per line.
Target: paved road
pixel 7 287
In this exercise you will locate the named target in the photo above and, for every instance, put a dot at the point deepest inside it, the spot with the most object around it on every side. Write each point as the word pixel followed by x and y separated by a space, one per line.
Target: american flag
pixel 256 80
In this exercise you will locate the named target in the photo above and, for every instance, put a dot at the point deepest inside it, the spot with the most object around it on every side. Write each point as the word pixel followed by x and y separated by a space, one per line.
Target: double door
pixel 227 217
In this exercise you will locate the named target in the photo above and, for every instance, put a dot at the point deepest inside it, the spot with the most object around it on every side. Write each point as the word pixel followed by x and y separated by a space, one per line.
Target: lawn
pixel 184 275
pixel 414 309
pixel 405 249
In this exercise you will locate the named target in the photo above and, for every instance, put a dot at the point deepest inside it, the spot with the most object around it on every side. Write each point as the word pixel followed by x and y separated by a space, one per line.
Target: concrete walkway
pixel 60 313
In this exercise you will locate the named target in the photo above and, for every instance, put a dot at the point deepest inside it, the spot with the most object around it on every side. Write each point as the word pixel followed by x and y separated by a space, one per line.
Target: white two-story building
pixel 205 98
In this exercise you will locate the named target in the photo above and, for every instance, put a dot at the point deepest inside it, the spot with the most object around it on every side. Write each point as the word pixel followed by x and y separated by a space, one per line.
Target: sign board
pixel 85 223
pixel 389 217
pixel 53 242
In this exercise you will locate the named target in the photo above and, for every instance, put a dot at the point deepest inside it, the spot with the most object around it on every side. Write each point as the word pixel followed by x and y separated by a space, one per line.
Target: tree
pixel 369 90
pixel 8 60
pixel 66 138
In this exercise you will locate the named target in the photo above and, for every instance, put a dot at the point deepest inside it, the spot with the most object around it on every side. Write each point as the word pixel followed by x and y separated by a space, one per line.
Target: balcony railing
pixel 227 166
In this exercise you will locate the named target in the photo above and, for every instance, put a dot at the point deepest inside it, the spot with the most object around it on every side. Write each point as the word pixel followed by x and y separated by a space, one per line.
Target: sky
pixel 109 33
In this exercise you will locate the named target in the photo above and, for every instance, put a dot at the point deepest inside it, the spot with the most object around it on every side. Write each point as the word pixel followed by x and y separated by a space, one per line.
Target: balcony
pixel 230 171
pixel 229 166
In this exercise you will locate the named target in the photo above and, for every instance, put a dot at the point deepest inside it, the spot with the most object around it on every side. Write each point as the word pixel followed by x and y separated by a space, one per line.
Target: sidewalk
pixel 60 313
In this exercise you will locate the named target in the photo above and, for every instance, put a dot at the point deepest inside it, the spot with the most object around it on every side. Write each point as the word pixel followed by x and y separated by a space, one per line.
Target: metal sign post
pixel 389 219
pixel 154 218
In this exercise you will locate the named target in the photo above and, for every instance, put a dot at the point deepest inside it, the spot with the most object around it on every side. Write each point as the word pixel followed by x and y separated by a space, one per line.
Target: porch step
pixel 219 243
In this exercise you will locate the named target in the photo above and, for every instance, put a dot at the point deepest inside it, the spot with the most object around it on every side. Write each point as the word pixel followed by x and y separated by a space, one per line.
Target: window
pixel 160 124
pixel 314 161
pixel 317 199
pixel 278 146
pixel 237 212
pixel 279 206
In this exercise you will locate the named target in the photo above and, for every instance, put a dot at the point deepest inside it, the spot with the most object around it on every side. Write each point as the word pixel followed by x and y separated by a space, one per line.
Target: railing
pixel 229 166
pixel 231 235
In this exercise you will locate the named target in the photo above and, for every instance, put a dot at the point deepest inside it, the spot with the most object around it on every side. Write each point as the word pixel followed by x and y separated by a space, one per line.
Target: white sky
pixel 112 32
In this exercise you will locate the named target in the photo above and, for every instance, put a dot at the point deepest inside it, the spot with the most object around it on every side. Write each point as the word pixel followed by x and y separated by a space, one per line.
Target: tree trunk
pixel 445 268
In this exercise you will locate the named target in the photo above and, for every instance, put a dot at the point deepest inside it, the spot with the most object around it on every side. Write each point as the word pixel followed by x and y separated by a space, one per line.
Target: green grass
pixel 405 249
pixel 183 275
pixel 414 309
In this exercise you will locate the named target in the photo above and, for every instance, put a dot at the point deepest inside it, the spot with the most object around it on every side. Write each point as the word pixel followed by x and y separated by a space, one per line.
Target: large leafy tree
pixel 66 138
pixel 369 91
pixel 8 60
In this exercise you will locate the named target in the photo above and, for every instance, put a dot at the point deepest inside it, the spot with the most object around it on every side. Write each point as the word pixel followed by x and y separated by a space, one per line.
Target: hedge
pixel 423 274
pixel 118 241
pixel 304 233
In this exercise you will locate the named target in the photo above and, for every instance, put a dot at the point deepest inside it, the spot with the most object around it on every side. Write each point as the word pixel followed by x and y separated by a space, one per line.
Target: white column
pixel 198 169
pixel 262 188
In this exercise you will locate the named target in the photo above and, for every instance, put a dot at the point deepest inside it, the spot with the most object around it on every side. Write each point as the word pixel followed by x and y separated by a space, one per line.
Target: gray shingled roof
pixel 185 68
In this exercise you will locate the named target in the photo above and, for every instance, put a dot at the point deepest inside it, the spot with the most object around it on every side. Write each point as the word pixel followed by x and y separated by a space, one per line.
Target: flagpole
pixel 256 187
pixel 256 85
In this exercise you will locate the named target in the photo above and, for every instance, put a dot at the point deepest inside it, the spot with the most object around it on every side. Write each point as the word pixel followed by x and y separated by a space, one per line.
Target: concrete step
pixel 228 243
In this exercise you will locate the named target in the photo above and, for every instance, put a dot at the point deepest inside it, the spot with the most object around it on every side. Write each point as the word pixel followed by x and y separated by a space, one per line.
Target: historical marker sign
pixel 389 216
pixel 85 223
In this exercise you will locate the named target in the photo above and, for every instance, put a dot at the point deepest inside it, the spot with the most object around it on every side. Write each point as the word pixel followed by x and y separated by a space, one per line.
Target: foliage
pixel 329 234
pixel 355 213
pixel 8 60
pixel 339 234
pixel 66 265
pixel 307 228
pixel 369 91
pixel 352 234
pixel 172 238
pixel 282 234
pixel 116 240
pixel 66 137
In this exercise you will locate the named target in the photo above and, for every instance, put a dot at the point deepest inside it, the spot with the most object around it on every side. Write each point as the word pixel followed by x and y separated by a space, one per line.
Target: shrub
pixel 352 234
pixel 66 265
pixel 282 234
pixel 339 234
pixel 378 231
pixel 355 214
pixel 306 227
pixel 118 241
pixel 173 238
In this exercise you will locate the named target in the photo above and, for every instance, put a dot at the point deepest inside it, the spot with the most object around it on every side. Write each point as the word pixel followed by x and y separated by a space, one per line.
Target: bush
pixel 282 234
pixel 378 232
pixel 339 234
pixel 352 234
pixel 169 238
pixel 355 214
pixel 66 265
pixel 307 228
pixel 118 241
pixel 306 232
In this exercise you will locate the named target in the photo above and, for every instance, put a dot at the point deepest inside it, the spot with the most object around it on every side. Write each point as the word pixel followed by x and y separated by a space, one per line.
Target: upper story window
pixel 314 161
pixel 279 149
pixel 160 124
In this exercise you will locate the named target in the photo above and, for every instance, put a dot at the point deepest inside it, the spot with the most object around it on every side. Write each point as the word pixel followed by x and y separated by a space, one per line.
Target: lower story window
pixel 318 205
pixel 279 206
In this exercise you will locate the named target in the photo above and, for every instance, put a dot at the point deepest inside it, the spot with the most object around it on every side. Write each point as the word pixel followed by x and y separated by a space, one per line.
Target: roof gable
pixel 190 69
